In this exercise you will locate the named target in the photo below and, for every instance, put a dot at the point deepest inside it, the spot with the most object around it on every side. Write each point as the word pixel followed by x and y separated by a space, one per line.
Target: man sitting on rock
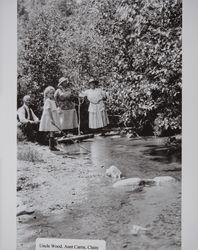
pixel 27 120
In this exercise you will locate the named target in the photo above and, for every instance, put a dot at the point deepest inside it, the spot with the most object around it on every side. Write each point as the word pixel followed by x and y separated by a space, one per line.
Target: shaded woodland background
pixel 134 48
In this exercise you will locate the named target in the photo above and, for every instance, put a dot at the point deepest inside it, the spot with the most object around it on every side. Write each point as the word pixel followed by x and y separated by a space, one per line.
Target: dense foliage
pixel 132 47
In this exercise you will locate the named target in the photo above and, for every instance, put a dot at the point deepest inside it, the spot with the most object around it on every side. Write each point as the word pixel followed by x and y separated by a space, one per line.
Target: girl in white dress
pixel 98 117
pixel 49 116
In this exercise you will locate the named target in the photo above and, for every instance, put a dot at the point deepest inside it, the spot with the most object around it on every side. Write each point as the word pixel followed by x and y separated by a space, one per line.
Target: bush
pixel 20 134
pixel 132 47
pixel 29 154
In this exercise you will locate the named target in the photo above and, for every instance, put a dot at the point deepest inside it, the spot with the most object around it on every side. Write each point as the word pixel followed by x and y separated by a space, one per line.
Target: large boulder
pixel 113 172
pixel 162 180
pixel 134 182
pixel 137 182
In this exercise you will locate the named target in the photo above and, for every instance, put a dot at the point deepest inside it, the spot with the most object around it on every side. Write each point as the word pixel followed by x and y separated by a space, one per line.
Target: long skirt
pixel 68 119
pixel 98 119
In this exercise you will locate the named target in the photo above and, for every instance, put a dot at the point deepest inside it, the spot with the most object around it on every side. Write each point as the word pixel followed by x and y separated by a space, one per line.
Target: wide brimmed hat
pixel 61 80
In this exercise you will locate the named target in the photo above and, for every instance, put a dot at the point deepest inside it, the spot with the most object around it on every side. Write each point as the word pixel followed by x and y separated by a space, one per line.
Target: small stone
pixel 114 229
pixel 113 172
pixel 147 182
pixel 137 229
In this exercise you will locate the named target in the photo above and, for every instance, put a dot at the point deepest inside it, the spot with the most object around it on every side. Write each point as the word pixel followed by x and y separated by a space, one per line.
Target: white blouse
pixel 95 97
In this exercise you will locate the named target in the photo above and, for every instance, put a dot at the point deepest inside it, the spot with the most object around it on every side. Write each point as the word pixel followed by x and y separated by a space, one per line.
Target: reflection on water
pixel 134 157
pixel 108 208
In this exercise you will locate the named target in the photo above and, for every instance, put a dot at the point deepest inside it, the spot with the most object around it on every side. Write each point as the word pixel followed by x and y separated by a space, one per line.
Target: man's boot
pixel 52 144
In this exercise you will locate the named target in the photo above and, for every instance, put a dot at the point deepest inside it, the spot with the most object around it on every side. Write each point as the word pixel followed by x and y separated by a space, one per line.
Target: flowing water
pixel 74 199
pixel 111 213
pixel 142 158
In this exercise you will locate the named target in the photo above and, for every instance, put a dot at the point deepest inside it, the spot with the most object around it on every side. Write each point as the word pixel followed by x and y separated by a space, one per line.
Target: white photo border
pixel 8 90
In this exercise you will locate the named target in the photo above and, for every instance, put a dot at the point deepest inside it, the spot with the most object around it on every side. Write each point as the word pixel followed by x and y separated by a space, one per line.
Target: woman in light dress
pixel 98 117
pixel 50 116
pixel 67 112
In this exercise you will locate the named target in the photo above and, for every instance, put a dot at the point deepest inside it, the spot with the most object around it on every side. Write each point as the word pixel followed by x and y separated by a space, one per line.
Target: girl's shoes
pixel 52 145
pixel 54 149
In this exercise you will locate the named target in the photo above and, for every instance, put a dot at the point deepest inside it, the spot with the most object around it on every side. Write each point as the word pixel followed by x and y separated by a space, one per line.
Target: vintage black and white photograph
pixel 99 122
